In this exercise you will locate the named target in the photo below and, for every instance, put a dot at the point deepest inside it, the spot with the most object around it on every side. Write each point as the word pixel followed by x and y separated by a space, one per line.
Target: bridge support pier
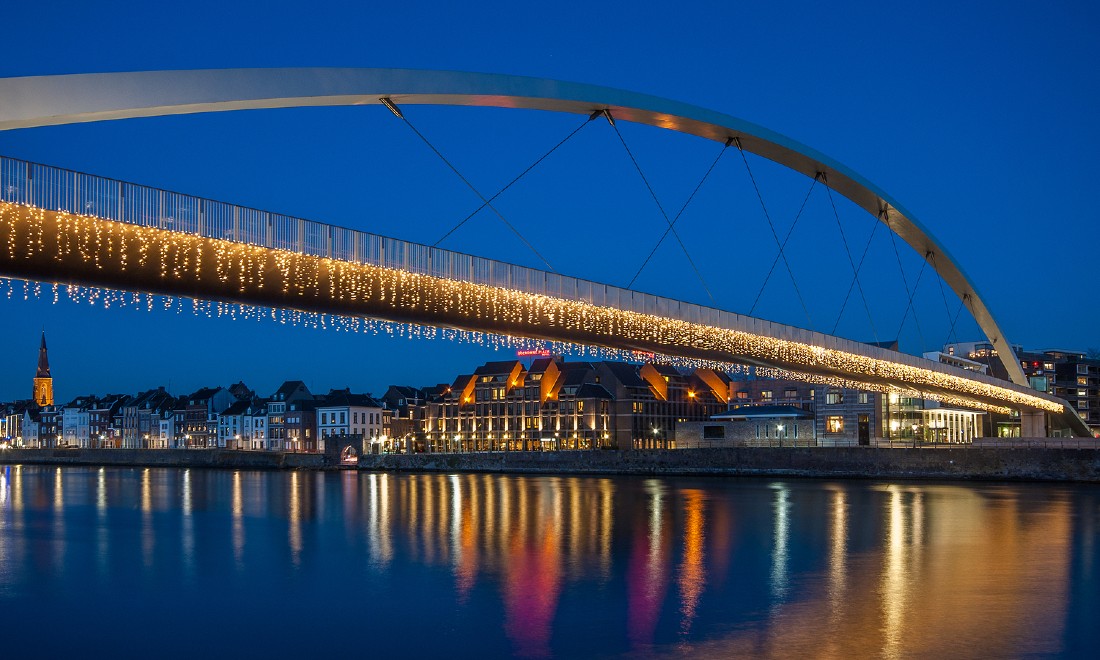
pixel 1033 424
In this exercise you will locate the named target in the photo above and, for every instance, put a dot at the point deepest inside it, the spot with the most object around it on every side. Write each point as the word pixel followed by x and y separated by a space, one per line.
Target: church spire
pixel 43 382
pixel 43 360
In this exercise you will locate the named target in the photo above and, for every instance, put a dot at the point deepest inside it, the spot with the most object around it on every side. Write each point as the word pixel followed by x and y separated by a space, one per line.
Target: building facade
pixel 352 417
pixel 557 405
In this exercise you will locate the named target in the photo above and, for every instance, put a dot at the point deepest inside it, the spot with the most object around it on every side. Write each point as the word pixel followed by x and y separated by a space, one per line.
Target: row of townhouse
pixel 291 419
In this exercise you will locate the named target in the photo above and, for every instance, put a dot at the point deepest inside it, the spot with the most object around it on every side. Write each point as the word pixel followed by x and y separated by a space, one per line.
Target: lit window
pixel 834 424
pixel 766 395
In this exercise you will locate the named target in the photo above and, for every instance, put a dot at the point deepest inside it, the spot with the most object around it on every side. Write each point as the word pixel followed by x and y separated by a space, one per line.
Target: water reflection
pixel 710 567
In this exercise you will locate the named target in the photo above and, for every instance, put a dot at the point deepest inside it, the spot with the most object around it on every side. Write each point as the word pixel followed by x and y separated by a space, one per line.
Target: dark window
pixel 714 432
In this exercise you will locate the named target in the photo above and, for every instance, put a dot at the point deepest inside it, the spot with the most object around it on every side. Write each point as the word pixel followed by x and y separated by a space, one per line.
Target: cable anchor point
pixel 388 102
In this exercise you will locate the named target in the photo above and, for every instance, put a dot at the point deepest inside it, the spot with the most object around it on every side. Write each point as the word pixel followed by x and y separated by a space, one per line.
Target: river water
pixel 201 564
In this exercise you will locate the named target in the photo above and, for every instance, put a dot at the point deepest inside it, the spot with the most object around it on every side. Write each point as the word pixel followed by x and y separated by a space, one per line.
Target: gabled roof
pixel 593 391
pixel 288 388
pixel 236 408
pixel 503 367
pixel 539 366
pixel 436 392
pixel 82 402
pixel 345 398
pixel 204 393
pixel 241 391
pixel 667 370
pixel 627 374
pixel 575 376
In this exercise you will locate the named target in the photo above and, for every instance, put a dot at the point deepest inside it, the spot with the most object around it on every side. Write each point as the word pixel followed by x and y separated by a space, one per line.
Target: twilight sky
pixel 978 117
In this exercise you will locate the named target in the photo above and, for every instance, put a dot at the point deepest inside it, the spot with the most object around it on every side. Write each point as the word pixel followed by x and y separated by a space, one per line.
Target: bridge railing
pixel 75 192
pixel 59 189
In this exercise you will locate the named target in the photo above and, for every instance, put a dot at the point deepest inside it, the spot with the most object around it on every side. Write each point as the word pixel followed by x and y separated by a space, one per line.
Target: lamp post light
pixel 237 438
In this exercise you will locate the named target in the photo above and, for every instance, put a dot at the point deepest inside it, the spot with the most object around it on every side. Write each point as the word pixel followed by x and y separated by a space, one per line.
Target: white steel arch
pixel 68 99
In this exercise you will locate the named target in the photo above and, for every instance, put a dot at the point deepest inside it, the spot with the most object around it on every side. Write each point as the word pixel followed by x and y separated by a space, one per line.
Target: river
pixel 211 563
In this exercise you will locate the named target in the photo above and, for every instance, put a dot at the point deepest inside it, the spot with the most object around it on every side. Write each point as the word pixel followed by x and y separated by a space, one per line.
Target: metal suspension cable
pixel 397 112
pixel 783 247
pixel 852 263
pixel 946 306
pixel 660 207
pixel 677 217
pixel 509 184
pixel 771 225
pixel 910 292
pixel 859 267
pixel 951 330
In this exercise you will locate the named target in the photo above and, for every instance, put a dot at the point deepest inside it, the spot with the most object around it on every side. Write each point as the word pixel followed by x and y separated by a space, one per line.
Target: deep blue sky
pixel 978 117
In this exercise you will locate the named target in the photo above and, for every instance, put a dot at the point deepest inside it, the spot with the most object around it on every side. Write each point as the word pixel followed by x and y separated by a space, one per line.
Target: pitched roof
pixel 340 398
pixel 593 391
pixel 237 408
pixel 627 374
pixel 288 388
pixel 666 369
pixel 204 393
pixel 496 368
pixel 539 366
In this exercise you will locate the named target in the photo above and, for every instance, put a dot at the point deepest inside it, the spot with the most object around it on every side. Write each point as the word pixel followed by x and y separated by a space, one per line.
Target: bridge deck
pixel 170 243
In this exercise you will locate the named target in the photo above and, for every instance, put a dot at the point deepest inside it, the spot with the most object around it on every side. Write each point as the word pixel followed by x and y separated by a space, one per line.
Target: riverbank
pixel 1001 463
pixel 199 458
pixel 986 463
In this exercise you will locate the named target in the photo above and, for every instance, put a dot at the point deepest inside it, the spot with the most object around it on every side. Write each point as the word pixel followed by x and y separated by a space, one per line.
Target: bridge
pixel 79 230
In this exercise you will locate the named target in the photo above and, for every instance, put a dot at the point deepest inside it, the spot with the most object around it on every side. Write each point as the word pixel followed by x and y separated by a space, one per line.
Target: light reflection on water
pixel 539 566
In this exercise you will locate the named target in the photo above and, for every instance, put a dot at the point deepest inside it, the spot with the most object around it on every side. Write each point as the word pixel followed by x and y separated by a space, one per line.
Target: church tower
pixel 43 382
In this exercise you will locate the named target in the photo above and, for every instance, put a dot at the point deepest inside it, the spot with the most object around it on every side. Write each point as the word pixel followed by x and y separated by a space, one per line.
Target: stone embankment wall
pixel 994 463
pixel 209 458
pixel 1025 464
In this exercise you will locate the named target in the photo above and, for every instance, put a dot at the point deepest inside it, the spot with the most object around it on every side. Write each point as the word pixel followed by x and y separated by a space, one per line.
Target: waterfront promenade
pixel 1042 460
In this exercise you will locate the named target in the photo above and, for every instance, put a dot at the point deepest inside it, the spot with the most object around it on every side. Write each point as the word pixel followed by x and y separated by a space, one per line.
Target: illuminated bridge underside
pixel 64 248
pixel 55 100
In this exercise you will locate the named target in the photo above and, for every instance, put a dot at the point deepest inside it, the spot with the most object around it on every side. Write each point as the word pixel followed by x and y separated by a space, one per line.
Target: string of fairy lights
pixel 381 300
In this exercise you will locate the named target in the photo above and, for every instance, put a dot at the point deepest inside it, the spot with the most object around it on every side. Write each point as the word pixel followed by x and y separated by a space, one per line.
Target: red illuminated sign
pixel 532 353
